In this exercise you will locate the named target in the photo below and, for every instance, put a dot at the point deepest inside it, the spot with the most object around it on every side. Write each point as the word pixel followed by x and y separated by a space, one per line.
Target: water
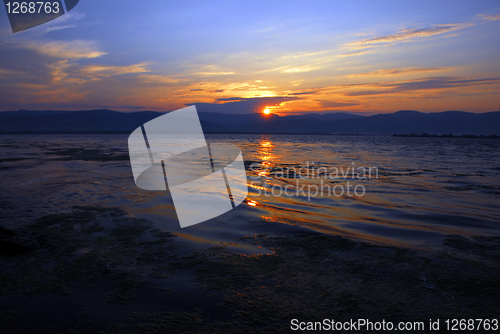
pixel 426 188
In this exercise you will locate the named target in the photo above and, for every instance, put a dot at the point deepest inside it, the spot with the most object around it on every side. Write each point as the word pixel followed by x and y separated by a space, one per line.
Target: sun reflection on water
pixel 266 151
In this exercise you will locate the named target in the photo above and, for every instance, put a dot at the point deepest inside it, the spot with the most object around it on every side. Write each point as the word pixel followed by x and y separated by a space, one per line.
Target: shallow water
pixel 425 188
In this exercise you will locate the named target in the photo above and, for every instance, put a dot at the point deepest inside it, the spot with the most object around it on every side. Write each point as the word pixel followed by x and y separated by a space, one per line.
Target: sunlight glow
pixel 267 111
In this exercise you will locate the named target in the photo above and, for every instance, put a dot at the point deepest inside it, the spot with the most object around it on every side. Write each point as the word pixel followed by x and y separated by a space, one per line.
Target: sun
pixel 267 111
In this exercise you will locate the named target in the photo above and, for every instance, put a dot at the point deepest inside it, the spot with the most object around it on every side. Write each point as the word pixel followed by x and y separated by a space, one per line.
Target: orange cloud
pixel 493 17
pixel 214 73
pixel 66 50
pixel 103 70
pixel 398 71
pixel 355 53
pixel 410 34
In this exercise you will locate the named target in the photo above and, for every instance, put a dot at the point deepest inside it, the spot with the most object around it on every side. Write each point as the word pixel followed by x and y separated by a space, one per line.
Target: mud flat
pixel 97 269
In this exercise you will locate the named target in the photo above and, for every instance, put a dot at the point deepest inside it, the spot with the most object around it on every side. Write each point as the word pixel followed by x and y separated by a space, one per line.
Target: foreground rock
pixel 13 243
pixel 110 273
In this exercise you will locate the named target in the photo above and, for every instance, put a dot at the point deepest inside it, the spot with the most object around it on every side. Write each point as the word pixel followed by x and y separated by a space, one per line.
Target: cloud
pixel 271 70
pixel 66 50
pixel 244 89
pixel 63 22
pixel 214 73
pixel 287 69
pixel 297 83
pixel 303 93
pixel 302 55
pixel 7 73
pixel 264 30
pixel 399 71
pixel 67 72
pixel 410 34
pixel 440 83
pixel 298 69
pixel 230 99
pixel 154 78
pixel 493 17
pixel 355 53
pixel 367 92
pixel 237 105
pixel 421 84
pixel 335 104
pixel 106 71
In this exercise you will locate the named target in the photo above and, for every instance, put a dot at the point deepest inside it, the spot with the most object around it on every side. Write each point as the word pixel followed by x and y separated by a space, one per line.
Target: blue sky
pixel 291 56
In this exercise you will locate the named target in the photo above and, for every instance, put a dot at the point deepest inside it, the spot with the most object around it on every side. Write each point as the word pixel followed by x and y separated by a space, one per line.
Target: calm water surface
pixel 423 190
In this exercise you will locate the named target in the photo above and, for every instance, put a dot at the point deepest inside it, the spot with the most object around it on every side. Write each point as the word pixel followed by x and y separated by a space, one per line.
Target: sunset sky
pixel 243 56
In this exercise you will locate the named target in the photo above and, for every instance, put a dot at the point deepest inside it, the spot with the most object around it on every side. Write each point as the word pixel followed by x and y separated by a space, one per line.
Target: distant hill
pixel 409 121
pixel 401 122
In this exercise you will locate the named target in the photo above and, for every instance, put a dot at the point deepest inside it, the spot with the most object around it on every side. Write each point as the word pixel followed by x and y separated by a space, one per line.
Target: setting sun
pixel 267 111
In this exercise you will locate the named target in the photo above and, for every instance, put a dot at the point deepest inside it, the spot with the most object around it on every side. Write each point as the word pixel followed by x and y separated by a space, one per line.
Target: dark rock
pixel 13 243
pixel 459 242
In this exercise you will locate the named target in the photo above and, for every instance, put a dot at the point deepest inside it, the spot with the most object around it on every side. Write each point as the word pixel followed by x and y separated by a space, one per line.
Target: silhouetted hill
pixel 89 121
pixel 76 121
pixel 401 122
pixel 408 121
pixel 405 121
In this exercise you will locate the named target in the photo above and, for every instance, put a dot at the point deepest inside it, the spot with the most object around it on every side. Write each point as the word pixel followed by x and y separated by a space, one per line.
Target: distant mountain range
pixel 401 122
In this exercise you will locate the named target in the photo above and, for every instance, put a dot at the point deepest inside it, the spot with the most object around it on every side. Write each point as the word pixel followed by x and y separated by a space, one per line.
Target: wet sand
pixel 97 269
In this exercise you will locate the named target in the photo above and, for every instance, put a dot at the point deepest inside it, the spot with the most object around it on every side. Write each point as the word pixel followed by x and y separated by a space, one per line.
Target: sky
pixel 293 57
